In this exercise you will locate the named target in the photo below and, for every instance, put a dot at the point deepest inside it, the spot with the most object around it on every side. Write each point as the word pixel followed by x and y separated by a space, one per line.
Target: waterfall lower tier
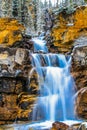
pixel 56 86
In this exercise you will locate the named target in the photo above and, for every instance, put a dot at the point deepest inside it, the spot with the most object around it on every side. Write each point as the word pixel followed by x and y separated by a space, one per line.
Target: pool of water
pixel 36 125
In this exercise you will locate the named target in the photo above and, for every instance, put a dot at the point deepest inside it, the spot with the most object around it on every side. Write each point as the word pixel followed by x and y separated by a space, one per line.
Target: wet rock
pixel 59 126
pixel 81 103
pixel 33 87
pixel 79 65
pixel 63 126
pixel 83 126
pixel 79 72
pixel 74 126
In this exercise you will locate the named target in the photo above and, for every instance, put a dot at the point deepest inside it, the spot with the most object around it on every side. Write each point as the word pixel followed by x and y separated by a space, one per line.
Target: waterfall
pixel 56 87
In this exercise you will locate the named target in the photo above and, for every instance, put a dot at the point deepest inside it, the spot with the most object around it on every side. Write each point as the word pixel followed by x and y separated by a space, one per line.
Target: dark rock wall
pixel 18 89
pixel 79 72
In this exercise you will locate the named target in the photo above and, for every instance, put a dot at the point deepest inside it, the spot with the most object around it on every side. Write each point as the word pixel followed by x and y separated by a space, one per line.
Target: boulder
pixel 63 126
pixel 59 126
pixel 83 126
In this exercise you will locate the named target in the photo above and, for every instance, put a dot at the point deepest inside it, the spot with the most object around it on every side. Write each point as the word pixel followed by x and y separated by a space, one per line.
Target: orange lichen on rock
pixel 70 27
pixel 10 31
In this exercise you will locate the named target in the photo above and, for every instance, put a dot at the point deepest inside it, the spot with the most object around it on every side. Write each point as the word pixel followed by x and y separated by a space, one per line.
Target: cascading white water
pixel 56 87
pixel 39 45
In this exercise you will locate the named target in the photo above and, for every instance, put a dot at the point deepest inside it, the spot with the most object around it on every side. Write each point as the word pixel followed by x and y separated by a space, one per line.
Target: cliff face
pixel 15 99
pixel 10 31
pixel 18 86
pixel 79 65
pixel 79 72
pixel 18 89
pixel 68 27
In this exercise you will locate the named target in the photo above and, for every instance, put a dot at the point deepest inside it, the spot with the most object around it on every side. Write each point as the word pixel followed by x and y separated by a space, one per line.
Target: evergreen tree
pixel 30 12
pixel 0 8
pixel 50 4
pixel 39 16
pixel 45 4
pixel 5 8
pixel 15 8
pixel 57 3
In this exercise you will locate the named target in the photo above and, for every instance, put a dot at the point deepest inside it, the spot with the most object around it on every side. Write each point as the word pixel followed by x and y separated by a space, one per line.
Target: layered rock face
pixel 79 72
pixel 18 85
pixel 18 79
pixel 10 31
pixel 81 104
pixel 67 27
pixel 79 64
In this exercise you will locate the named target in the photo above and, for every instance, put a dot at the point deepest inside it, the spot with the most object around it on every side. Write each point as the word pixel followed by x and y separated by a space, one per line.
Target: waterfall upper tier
pixel 50 59
pixel 39 45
